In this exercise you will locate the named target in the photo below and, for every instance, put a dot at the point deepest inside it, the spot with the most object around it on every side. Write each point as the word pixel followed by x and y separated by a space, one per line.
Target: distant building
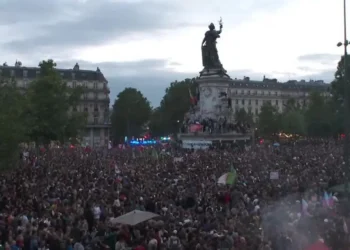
pixel 251 95
pixel 95 100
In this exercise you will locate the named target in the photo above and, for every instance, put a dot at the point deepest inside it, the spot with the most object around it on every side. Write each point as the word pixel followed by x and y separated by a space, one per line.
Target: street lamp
pixel 346 108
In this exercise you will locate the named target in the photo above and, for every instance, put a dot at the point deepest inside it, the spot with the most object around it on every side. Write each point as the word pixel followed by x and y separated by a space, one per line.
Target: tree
pixel 173 107
pixel 269 121
pixel 244 117
pixel 12 127
pixel 338 96
pixel 293 119
pixel 293 122
pixel 131 111
pixel 319 116
pixel 291 105
pixel 49 100
pixel 157 123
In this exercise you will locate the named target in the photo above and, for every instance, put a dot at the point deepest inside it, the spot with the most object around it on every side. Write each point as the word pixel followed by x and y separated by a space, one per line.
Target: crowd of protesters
pixel 67 199
pixel 212 126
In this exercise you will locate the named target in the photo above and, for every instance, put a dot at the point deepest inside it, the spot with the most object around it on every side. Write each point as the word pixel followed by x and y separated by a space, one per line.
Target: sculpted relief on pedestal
pixel 207 92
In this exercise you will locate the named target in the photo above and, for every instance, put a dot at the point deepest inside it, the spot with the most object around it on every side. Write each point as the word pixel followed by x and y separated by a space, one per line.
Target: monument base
pixel 214 86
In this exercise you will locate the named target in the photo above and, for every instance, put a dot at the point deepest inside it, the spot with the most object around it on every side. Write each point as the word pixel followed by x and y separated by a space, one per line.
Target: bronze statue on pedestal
pixel 210 55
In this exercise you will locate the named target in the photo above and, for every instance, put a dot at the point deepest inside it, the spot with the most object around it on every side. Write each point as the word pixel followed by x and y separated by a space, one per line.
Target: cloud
pixel 67 24
pixel 321 58
pixel 152 76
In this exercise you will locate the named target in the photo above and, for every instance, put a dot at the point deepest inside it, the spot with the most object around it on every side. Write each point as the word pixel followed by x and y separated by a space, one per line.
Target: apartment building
pixel 251 95
pixel 95 100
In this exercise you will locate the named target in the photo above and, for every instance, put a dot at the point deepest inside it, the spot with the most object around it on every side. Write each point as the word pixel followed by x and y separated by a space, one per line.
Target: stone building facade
pixel 251 95
pixel 95 100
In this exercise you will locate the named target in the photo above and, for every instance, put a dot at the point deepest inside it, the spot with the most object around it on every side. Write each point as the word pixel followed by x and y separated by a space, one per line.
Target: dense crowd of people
pixel 213 126
pixel 69 198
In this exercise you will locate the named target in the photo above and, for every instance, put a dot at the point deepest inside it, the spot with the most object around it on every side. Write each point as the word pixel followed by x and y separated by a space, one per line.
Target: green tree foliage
pixel 12 127
pixel 174 105
pixel 293 118
pixel 319 116
pixel 293 122
pixel 49 100
pixel 338 95
pixel 269 121
pixel 244 117
pixel 131 111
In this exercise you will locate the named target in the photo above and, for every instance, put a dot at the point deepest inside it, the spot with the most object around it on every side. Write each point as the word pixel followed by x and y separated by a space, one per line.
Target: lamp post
pixel 346 108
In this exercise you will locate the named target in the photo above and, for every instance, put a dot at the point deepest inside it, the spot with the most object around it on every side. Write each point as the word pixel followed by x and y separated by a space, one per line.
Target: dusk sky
pixel 148 44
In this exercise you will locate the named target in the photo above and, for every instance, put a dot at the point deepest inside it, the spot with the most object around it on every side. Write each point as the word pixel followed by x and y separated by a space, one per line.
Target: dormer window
pixel 76 66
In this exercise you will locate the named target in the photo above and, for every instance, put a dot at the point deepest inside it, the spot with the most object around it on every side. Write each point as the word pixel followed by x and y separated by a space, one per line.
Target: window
pixel 95 85
pixel 96 119
pixel 269 93
pixel 74 84
pixel 256 111
pixel 95 107
pixel 242 92
pixel 269 101
pixel 75 108
pixel 12 73
pixel 262 92
pixel 249 102
pixel 248 92
pixel 276 94
pixel 236 91
pixel 86 108
pixel 242 101
pixel 95 95
pixel 256 102
pixel 85 96
pixel 85 84
pixel 25 73
pixel 276 102
pixel 236 101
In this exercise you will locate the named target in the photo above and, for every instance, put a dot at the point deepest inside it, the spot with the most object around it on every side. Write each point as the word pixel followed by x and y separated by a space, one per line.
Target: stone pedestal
pixel 214 90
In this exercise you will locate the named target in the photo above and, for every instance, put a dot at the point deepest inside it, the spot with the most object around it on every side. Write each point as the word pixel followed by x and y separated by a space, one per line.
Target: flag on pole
pixel 228 178
pixel 192 98
pixel 304 207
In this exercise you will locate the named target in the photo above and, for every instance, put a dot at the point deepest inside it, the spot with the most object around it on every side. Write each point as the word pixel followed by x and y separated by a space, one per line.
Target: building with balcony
pixel 95 100
pixel 251 95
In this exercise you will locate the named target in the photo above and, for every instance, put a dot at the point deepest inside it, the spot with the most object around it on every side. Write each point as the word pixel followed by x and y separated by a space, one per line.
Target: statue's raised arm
pixel 210 55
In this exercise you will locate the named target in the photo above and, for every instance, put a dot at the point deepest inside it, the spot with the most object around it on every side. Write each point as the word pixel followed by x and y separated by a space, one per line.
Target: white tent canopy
pixel 133 218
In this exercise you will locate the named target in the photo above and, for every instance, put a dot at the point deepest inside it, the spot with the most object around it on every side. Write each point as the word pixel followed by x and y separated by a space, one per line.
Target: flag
pixel 327 200
pixel 228 178
pixel 304 207
pixel 192 98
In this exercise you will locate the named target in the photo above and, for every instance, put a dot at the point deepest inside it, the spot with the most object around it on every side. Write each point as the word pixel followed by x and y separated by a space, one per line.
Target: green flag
pixel 231 176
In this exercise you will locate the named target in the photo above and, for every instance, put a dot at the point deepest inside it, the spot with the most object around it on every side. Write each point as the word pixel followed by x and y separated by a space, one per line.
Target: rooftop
pixel 275 84
pixel 74 74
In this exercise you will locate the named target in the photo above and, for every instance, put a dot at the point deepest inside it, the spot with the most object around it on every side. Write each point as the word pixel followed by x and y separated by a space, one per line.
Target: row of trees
pixel 323 116
pixel 38 113
pixel 132 113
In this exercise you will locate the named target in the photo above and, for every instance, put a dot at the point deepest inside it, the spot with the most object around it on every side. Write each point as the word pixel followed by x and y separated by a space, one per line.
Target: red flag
pixel 192 98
